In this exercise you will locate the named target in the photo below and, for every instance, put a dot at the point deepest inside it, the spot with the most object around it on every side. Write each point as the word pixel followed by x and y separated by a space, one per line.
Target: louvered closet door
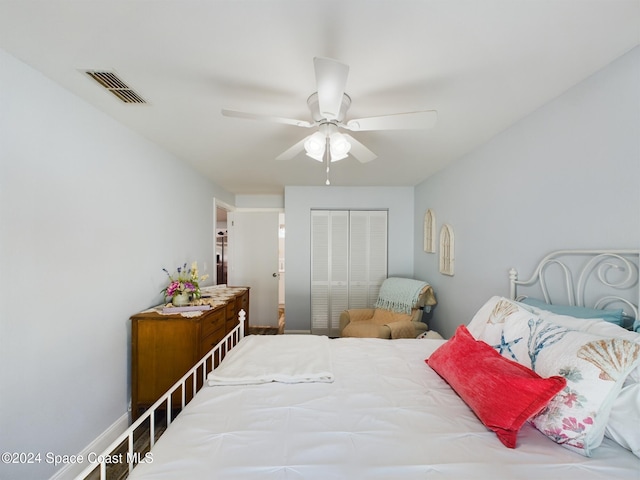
pixel 329 269
pixel 348 264
pixel 367 256
pixel 319 272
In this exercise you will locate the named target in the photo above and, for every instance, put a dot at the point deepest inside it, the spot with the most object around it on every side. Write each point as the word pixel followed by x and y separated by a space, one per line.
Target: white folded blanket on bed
pixel 275 358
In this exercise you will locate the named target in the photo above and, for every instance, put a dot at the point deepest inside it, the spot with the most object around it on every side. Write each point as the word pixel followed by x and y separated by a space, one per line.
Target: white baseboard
pixel 70 471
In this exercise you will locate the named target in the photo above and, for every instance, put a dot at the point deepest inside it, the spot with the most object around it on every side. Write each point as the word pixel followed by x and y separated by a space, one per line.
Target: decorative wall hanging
pixel 447 256
pixel 429 231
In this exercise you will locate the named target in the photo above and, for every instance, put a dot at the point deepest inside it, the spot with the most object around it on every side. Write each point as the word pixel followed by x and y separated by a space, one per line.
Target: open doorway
pixel 281 273
pixel 221 249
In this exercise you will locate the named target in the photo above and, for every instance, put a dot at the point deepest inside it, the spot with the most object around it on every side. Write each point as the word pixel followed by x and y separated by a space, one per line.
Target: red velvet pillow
pixel 503 394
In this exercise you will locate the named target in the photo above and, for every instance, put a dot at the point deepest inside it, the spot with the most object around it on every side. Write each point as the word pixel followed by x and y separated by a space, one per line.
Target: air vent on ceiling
pixel 115 85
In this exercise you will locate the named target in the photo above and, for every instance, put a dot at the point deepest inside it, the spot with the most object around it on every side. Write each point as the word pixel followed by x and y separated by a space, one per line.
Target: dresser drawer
pixel 231 324
pixel 231 310
pixel 242 302
pixel 210 341
pixel 213 321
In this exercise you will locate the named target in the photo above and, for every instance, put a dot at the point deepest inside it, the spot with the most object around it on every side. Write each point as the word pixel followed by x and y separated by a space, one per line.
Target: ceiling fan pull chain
pixel 328 160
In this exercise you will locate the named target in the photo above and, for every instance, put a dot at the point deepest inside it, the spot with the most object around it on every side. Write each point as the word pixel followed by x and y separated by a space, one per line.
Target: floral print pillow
pixel 595 369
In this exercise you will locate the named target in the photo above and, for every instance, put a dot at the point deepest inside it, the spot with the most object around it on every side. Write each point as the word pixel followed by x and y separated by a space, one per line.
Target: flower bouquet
pixel 184 285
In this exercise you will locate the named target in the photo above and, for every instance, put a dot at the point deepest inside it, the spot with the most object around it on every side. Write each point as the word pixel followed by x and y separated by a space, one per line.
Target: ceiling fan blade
pixel 267 118
pixel 399 121
pixel 358 150
pixel 331 80
pixel 293 151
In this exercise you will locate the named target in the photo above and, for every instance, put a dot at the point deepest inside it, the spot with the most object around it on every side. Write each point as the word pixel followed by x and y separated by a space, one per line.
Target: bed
pixel 318 408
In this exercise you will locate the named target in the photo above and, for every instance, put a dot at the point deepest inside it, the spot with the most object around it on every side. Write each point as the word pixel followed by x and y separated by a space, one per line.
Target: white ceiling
pixel 482 64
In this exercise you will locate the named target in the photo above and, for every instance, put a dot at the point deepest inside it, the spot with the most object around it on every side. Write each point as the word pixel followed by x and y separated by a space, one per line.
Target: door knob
pixel 275 275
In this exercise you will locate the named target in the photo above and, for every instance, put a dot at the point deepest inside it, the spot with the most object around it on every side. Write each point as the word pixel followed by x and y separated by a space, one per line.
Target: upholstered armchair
pixel 397 313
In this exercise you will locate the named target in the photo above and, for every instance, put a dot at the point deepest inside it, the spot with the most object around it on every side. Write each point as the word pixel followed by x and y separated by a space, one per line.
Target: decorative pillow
pixel 623 426
pixel 608 315
pixel 624 419
pixel 431 335
pixel 595 327
pixel 503 394
pixel 595 368
pixel 488 322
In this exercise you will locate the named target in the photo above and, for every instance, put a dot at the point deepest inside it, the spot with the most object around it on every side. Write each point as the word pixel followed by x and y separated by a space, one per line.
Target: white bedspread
pixel 275 358
pixel 386 416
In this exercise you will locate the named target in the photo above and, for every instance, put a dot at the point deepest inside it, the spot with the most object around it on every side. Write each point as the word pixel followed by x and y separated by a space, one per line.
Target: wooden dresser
pixel 164 347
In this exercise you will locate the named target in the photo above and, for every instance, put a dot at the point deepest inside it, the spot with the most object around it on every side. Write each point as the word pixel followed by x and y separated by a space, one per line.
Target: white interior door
pixel 253 262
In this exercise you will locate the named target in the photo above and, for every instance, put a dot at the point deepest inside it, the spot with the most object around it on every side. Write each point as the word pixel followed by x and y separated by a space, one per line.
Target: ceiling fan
pixel 328 106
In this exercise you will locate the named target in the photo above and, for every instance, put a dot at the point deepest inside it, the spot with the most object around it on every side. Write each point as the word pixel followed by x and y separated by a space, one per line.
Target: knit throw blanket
pixel 399 294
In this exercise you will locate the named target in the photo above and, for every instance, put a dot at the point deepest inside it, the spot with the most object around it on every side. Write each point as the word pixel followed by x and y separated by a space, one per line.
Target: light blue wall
pixel 566 176
pixel 299 201
pixel 90 213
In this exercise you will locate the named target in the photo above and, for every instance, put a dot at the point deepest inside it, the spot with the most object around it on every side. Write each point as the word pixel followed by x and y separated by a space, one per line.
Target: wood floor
pixel 141 444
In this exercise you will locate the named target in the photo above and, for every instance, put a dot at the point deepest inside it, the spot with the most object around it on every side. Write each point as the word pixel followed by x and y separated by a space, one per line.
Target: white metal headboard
pixel 586 278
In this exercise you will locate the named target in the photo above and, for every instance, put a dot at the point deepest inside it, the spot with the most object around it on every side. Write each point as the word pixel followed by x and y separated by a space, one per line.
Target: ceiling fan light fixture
pixel 339 146
pixel 315 145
